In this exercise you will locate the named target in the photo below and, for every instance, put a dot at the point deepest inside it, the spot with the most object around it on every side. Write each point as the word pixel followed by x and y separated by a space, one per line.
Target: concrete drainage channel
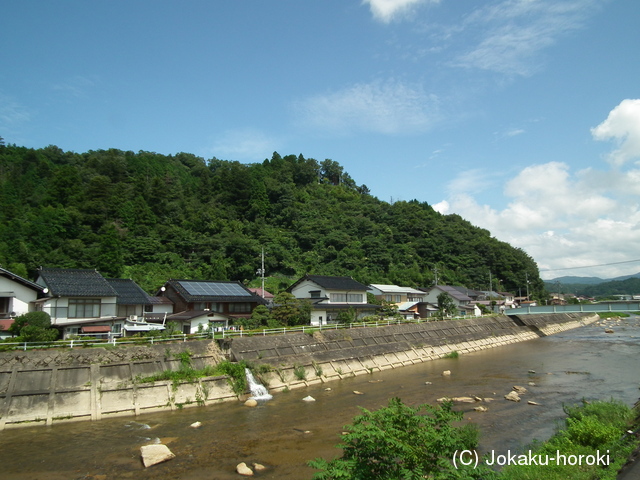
pixel 60 392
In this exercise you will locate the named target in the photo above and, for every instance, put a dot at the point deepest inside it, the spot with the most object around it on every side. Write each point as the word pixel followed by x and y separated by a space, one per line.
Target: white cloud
pixel 569 219
pixel 514 32
pixel 77 86
pixel 387 10
pixel 382 107
pixel 244 145
pixel 12 113
pixel 623 126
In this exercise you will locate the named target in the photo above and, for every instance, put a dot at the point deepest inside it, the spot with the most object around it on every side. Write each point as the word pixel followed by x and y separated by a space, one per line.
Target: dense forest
pixel 151 217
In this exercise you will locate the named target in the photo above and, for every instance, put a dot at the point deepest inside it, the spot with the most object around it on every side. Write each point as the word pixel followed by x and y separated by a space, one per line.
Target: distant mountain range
pixel 587 280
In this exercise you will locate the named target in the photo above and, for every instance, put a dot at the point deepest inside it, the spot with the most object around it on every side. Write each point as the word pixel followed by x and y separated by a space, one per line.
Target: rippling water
pixel 286 432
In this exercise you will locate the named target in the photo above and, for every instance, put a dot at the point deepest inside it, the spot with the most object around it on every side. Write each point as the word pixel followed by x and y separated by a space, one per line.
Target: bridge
pixel 618 306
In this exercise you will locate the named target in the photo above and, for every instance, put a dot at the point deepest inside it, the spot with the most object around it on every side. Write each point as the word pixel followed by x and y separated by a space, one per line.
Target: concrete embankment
pixel 90 384
pixel 53 386
pixel 301 360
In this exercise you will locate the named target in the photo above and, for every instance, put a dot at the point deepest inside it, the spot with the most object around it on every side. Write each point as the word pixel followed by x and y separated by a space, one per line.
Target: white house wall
pixel 56 307
pixel 20 296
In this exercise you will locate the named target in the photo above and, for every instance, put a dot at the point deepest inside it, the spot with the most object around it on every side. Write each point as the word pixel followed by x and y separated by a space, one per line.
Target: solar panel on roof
pixel 215 289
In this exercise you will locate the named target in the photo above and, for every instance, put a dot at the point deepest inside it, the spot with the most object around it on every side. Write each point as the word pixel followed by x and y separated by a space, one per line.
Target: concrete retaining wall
pixel 300 360
pixel 88 384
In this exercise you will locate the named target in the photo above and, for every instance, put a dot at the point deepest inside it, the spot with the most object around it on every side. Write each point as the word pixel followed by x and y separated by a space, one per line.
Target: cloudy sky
pixel 522 116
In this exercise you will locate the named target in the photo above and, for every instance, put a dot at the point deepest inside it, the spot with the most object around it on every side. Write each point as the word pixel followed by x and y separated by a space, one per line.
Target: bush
pixel 403 442
pixel 34 327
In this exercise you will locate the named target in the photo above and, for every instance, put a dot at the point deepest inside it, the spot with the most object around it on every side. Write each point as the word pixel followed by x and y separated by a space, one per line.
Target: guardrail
pixel 333 326
pixel 112 342
pixel 75 343
pixel 619 306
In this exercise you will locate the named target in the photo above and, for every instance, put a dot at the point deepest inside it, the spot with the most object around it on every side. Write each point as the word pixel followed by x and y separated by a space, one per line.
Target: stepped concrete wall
pixel 300 360
pixel 47 387
pixel 50 386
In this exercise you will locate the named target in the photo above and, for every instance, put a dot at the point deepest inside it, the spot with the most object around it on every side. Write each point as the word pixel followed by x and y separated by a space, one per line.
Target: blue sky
pixel 522 116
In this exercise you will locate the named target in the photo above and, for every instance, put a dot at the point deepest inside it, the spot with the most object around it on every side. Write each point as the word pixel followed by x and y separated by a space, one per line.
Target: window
pixel 116 328
pixel 127 310
pixel 84 307
pixel 346 297
pixel 315 293
pixel 239 307
pixel 4 305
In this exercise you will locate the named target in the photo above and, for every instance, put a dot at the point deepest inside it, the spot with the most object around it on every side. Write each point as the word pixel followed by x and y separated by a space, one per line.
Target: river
pixel 285 432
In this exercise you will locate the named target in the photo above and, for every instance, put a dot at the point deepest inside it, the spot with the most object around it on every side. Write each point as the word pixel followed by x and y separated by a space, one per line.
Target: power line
pixel 589 266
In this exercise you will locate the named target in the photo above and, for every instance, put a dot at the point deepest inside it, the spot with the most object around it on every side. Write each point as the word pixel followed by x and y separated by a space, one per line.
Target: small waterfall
pixel 258 391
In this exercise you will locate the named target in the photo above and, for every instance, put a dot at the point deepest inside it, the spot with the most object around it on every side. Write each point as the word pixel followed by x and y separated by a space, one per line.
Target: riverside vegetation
pixel 151 217
pixel 412 443
pixel 235 371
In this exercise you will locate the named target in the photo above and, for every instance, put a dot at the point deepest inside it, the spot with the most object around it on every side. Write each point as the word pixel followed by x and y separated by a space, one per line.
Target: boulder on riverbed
pixel 513 396
pixel 154 454
pixel 243 469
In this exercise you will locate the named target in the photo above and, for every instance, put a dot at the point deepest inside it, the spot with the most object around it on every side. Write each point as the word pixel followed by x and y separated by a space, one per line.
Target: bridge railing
pixel 582 307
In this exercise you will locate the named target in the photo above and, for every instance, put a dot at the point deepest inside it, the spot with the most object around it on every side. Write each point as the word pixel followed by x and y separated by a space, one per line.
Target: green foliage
pixel 150 217
pixel 260 318
pixel 403 442
pixel 300 372
pixel 237 374
pixel 289 310
pixel 446 305
pixel 34 327
pixel 347 316
pixel 591 428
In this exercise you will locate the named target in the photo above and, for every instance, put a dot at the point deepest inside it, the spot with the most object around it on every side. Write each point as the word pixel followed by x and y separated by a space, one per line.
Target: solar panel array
pixel 215 289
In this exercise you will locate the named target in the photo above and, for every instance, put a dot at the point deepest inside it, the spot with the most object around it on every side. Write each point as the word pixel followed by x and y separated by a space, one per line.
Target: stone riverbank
pixel 48 387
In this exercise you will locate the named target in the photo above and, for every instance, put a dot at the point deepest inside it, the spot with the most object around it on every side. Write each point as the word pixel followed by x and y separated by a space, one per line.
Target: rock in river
pixel 154 454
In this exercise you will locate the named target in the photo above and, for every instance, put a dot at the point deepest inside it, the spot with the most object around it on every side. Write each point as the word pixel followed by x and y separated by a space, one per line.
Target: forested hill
pixel 152 217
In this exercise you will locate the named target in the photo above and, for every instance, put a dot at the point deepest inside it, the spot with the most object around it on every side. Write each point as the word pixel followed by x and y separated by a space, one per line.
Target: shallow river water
pixel 285 432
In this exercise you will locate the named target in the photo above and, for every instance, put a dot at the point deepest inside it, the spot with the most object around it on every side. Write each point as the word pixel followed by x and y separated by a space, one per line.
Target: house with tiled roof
pixel 462 301
pixel 331 295
pixel 263 293
pixel 205 304
pixel 83 302
pixel 408 300
pixel 17 295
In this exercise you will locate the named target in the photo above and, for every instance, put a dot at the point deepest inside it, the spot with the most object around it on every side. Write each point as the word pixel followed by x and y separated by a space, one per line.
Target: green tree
pixel 34 327
pixel 289 310
pixel 446 305
pixel 260 318
pixel 403 442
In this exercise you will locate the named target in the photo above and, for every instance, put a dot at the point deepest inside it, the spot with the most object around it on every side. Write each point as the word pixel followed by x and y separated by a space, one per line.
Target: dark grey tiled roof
pixel 461 297
pixel 69 282
pixel 129 293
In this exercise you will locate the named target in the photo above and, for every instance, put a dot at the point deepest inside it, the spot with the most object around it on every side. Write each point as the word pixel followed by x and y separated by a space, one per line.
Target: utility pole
pixel 260 272
pixel 526 274
pixel 435 271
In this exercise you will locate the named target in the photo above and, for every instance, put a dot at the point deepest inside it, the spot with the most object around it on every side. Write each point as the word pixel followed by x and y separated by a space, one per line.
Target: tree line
pixel 151 217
